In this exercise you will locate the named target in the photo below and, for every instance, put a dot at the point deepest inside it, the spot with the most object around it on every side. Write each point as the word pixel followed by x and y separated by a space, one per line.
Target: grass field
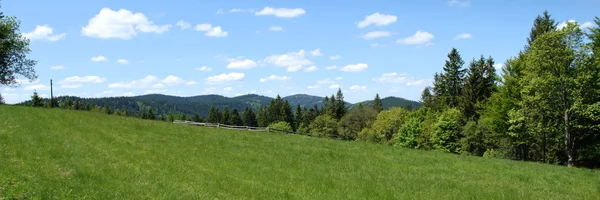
pixel 62 154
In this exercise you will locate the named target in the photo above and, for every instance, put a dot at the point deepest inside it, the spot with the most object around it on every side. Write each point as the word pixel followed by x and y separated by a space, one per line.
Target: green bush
pixel 324 126
pixel 387 124
pixel 355 121
pixel 280 126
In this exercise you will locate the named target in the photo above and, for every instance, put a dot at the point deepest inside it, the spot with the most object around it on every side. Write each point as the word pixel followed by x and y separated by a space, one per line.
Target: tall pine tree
pixel 377 104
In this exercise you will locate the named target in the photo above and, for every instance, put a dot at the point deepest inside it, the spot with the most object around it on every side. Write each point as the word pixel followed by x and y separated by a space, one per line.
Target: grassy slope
pixel 60 153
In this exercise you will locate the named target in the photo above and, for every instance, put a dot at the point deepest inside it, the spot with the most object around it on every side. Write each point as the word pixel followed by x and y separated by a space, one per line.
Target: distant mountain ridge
pixel 389 102
pixel 163 104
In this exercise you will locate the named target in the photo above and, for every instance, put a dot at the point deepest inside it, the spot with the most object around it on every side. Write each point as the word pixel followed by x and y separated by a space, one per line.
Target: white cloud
pixel 37 87
pixel 122 24
pixel 123 61
pixel 334 57
pixel 26 81
pixel 158 85
pixel 128 94
pixel 276 28
pixel 9 89
pixel 311 69
pixel 172 80
pixel 57 67
pixel 356 87
pixel 191 83
pixel 203 27
pixel 228 89
pixel 326 81
pixel 378 45
pixel 375 34
pixel 334 86
pixel 338 78
pixel 219 12
pixel 44 32
pixel 84 79
pixel 498 66
pixel 155 91
pixel 225 78
pixel 463 36
pixel 564 24
pixel 242 10
pixel 316 52
pixel 183 24
pixel 419 37
pixel 204 69
pixel 587 25
pixel 355 67
pixel 281 12
pixel 241 64
pixel 141 83
pixel 99 59
pixel 401 78
pixel 70 86
pixel 377 19
pixel 292 60
pixel 211 31
pixel 294 68
pixel 459 3
pixel 216 32
pixel 313 86
pixel 332 67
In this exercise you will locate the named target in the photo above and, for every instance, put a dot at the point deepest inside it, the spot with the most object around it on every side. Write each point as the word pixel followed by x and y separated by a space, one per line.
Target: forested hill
pixel 191 105
pixel 390 102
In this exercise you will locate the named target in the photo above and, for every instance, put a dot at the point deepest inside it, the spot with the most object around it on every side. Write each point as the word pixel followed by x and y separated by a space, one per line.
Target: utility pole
pixel 51 95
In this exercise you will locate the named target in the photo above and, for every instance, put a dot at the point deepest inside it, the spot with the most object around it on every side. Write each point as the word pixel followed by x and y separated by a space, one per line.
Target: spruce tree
pixel 377 104
pixel 262 117
pixel 341 109
pixel 234 118
pixel 274 110
pixel 541 25
pixel 196 118
pixel 286 112
pixel 427 98
pixel 452 79
pixel 151 114
pixel 36 100
pixel 249 117
pixel 170 117
pixel 225 116
pixel 298 117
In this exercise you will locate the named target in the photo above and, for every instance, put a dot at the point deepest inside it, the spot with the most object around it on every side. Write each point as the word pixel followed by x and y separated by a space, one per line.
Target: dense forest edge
pixel 544 106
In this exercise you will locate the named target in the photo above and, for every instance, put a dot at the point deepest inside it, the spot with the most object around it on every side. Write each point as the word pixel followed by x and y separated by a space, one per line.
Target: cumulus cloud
pixel 316 52
pixel 141 83
pixel 225 78
pixel 275 78
pixel 99 59
pixel 313 86
pixel 84 79
pixel 377 19
pixel 70 86
pixel 564 24
pixel 192 83
pixel 281 12
pixel 357 87
pixel 44 32
pixel 587 25
pixel 334 57
pixel 326 81
pixel 121 24
pixel 242 10
pixel 375 34
pixel 211 31
pixel 420 37
pixel 172 80
pixel 332 67
pixel 37 87
pixel 402 79
pixel 293 61
pixel 241 64
pixel 334 86
pixel 462 36
pixel 57 67
pixel 355 67
pixel 204 69
pixel 183 24
pixel 311 69
pixel 123 61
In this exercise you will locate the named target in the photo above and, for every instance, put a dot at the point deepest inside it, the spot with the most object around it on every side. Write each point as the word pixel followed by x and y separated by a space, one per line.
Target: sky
pixel 108 48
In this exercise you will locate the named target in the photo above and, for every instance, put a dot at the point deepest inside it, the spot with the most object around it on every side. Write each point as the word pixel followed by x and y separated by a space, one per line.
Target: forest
pixel 543 106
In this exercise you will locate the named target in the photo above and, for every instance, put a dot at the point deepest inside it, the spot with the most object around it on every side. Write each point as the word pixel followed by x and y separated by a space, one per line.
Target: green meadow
pixel 66 154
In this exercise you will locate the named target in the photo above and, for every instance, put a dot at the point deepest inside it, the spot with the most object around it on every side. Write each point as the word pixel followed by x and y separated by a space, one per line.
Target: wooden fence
pixel 246 128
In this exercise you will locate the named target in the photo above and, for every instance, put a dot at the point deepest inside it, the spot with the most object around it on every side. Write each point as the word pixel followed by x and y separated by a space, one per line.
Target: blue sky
pixel 185 48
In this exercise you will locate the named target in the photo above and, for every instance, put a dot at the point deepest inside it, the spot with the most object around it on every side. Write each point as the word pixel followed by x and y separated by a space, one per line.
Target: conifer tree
pixel 196 118
pixel 286 113
pixel 341 109
pixel 377 105
pixel 249 117
pixel 262 117
pixel 234 118
pixel 541 25
pixel 451 80
pixel 36 100
pixel 298 117
pixel 225 116
pixel 1 100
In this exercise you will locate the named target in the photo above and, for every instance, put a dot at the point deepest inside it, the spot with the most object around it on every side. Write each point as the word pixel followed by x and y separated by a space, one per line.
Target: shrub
pixel 281 126
pixel 324 126
pixel 355 121
pixel 387 124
